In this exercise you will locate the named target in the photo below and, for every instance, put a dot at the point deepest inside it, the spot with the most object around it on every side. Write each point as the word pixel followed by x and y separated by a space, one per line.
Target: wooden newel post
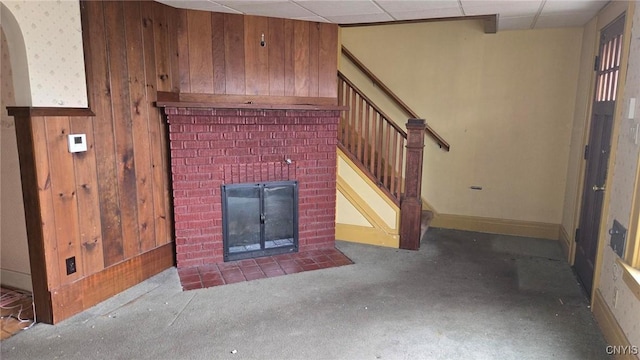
pixel 411 201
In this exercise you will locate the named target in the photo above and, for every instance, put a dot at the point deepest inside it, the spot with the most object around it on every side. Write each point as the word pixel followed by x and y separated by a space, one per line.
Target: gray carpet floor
pixel 464 295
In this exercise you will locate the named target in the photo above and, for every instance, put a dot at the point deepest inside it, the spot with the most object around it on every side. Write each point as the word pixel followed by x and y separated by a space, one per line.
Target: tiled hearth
pixel 204 276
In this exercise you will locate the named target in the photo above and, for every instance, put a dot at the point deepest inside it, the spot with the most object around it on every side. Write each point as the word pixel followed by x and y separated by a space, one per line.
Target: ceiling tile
pixel 357 19
pixel 426 14
pixel 416 5
pixel 198 5
pixel 563 20
pixel 502 7
pixel 340 8
pixel 286 9
pixel 515 22
pixel 557 6
pixel 513 14
pixel 312 18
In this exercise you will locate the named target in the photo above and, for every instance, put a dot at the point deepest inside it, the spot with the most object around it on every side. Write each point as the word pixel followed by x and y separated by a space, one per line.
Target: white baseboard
pixel 16 279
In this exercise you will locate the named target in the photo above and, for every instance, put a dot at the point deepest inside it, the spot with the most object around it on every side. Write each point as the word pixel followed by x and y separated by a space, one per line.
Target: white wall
pixel 52 34
pixel 14 253
pixel 505 102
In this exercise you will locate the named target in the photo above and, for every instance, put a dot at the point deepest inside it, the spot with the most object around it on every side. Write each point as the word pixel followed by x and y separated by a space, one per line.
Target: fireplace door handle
pixel 262 218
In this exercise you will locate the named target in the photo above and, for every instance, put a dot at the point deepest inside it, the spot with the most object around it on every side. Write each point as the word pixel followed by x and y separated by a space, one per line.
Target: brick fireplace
pixel 211 147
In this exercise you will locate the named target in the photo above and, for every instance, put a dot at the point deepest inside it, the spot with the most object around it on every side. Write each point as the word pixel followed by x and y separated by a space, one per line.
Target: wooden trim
pixel 567 244
pixel 613 333
pixel 73 298
pixel 355 163
pixel 428 130
pixel 632 255
pixel 364 209
pixel 26 111
pixel 382 192
pixel 631 277
pixel 366 235
pixel 411 204
pixel 490 22
pixel 166 96
pixel 372 104
pixel 33 218
pixel 247 101
pixel 498 226
pixel 378 82
pixel 248 106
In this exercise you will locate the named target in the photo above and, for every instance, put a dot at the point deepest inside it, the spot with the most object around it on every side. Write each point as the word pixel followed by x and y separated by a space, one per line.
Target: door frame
pixel 605 17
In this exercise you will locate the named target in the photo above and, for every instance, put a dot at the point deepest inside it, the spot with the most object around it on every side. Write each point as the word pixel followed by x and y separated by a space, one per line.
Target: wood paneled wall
pixel 130 48
pixel 131 53
pixel 110 207
pixel 222 54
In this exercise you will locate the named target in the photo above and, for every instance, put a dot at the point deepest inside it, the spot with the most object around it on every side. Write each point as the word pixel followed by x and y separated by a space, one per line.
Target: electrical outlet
pixel 615 297
pixel 71 265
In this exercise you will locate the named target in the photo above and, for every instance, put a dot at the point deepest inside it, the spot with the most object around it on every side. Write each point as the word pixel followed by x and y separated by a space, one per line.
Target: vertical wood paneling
pixel 234 54
pixel 155 135
pixel 183 51
pixel 45 197
pixel 301 57
pixel 65 205
pixel 138 107
pixel 217 49
pixel 96 39
pixel 328 55
pixel 159 134
pixel 173 23
pixel 111 204
pixel 86 179
pixel 126 173
pixel 256 57
pixel 200 55
pixel 275 47
pixel 289 59
pixel 163 55
pixel 314 53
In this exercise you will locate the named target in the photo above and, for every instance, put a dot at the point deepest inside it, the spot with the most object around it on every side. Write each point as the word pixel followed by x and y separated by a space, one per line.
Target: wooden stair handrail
pixel 373 105
pixel 428 130
pixel 371 140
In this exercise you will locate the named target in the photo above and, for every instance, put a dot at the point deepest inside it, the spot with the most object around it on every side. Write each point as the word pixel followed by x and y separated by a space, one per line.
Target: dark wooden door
pixel 597 151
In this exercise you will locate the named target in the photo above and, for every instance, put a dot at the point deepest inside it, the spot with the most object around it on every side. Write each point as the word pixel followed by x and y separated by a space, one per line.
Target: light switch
pixel 77 143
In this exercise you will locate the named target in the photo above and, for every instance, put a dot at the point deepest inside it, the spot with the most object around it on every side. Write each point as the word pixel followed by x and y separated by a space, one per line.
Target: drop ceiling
pixel 512 14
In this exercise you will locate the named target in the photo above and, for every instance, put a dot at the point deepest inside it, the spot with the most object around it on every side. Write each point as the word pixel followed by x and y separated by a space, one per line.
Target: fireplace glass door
pixel 259 219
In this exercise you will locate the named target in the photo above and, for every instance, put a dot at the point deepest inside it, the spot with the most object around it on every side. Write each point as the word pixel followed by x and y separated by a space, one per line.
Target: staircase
pixel 376 144
pixel 371 140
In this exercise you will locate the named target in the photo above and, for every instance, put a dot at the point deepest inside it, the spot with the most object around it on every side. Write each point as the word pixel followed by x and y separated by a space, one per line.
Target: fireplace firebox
pixel 259 219
pixel 214 146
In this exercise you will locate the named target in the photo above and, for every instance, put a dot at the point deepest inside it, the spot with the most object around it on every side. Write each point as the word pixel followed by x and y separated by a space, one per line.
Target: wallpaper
pixel 14 251
pixel 53 36
pixel 621 183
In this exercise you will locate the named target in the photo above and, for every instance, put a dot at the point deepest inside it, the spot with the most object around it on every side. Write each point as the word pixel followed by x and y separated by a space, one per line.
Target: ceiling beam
pixel 490 22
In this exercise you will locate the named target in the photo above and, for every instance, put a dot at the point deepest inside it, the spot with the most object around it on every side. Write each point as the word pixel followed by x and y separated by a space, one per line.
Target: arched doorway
pixel 15 269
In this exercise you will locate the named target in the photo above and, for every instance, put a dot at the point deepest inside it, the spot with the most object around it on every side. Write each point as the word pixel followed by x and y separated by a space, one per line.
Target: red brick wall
pixel 211 147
